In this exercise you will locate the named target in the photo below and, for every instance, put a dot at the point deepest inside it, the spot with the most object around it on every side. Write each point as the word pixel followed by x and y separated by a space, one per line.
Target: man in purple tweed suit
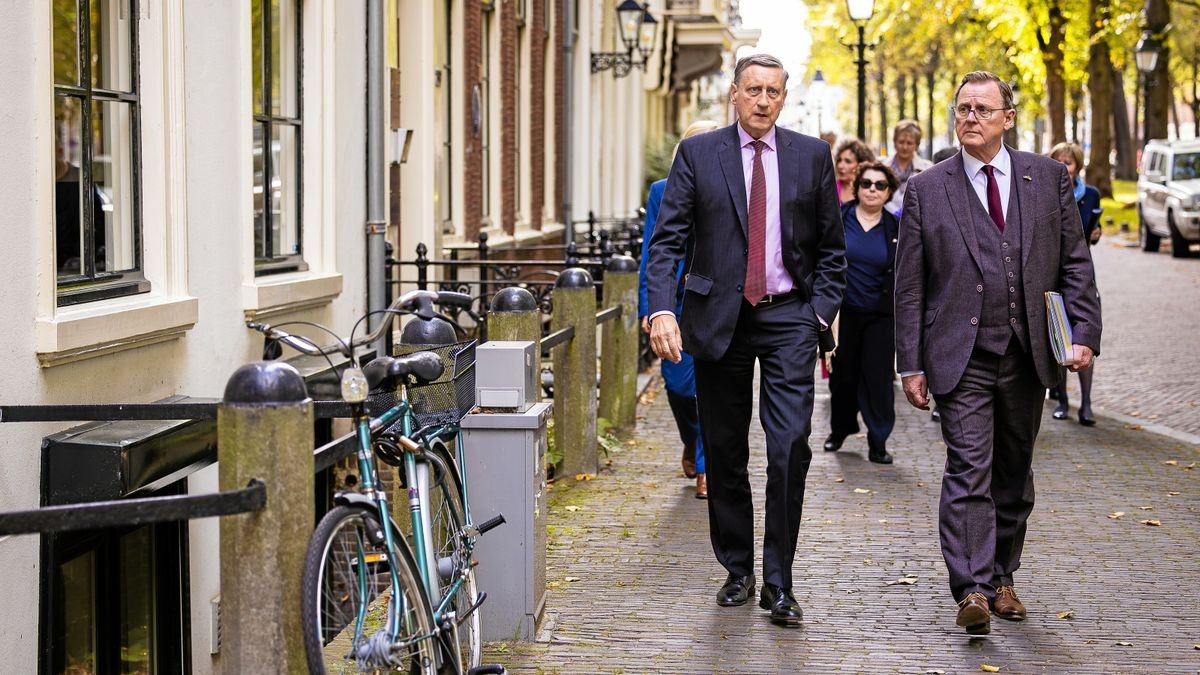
pixel 984 235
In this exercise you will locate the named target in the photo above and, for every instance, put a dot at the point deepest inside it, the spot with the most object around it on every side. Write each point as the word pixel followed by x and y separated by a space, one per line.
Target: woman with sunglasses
pixel 863 366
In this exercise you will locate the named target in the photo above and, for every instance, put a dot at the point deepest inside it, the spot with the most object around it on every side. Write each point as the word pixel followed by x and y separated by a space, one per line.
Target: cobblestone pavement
pixel 632 576
pixel 1149 365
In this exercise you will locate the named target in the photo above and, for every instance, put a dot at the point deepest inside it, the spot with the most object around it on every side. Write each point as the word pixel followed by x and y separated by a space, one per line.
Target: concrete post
pixel 619 349
pixel 515 315
pixel 265 431
pixel 575 372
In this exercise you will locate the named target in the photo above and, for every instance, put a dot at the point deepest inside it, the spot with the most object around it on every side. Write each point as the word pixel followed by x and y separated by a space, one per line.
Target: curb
pixel 1129 420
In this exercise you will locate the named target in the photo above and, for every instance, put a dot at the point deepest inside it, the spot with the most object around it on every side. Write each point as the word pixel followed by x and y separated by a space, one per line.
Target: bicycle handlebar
pixel 403 305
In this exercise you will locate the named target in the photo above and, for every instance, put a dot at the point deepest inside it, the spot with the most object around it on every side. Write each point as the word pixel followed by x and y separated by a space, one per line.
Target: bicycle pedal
pixel 487 669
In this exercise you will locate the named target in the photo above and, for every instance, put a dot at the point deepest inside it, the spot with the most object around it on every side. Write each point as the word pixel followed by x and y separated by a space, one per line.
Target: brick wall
pixel 472 173
pixel 537 109
pixel 560 127
pixel 507 113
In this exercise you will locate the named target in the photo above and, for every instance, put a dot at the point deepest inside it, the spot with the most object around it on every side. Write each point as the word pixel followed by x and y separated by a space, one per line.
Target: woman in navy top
pixel 1088 199
pixel 863 366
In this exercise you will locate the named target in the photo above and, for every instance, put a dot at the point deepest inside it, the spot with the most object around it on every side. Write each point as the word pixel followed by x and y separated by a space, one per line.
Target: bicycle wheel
pixel 346 601
pixel 454 558
pixel 448 548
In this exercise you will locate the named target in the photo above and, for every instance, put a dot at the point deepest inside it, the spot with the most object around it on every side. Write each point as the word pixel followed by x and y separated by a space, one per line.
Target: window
pixel 97 200
pixel 115 601
pixel 278 194
pixel 485 113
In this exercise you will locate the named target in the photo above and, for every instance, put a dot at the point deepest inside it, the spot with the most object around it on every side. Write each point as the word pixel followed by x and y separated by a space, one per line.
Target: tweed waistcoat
pixel 1003 313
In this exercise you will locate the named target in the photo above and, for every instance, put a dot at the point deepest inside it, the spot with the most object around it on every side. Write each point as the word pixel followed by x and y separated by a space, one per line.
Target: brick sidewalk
pixel 1149 365
pixel 633 577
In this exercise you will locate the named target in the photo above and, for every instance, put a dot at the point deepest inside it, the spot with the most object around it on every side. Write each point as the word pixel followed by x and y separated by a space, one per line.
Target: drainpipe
pixel 568 117
pixel 376 227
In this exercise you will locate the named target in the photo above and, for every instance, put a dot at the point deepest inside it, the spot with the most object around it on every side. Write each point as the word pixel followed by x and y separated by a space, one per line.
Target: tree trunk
pixel 883 108
pixel 1100 96
pixel 1158 85
pixel 1126 168
pixel 916 95
pixel 929 82
pixel 902 96
pixel 1052 58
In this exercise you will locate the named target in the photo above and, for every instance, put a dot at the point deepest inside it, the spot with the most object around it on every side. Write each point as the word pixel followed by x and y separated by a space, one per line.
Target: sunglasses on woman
pixel 880 185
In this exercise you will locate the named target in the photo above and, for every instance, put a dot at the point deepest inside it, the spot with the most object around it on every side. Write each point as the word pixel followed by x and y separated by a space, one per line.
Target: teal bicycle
pixel 383 593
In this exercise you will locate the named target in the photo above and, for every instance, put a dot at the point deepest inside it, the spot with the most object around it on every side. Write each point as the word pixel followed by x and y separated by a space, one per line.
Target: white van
pixel 1168 201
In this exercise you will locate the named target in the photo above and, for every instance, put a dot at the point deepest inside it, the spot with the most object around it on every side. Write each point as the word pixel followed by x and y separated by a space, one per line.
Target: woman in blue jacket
pixel 680 378
pixel 1088 199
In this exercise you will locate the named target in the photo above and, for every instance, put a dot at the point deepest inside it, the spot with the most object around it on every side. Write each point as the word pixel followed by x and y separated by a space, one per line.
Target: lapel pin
pixel 1027 178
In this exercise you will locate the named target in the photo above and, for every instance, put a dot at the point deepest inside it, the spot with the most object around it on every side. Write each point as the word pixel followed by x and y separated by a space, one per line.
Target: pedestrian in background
pixel 945 154
pixel 678 378
pixel 978 237
pixel 862 367
pixel 905 162
pixel 850 153
pixel 1088 199
pixel 765 277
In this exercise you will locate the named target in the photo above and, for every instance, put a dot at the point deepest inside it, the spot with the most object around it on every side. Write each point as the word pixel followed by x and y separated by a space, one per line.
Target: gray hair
pixel 1006 92
pixel 907 127
pixel 764 60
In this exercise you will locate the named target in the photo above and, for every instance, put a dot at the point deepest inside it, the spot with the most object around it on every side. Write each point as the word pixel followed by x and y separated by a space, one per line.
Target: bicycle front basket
pixel 450 397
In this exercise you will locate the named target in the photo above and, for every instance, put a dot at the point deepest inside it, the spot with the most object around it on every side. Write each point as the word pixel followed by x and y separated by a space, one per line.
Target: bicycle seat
pixel 416 368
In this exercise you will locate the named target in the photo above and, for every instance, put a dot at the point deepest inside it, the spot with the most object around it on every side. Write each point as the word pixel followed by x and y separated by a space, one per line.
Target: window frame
pixel 90 285
pixel 266 121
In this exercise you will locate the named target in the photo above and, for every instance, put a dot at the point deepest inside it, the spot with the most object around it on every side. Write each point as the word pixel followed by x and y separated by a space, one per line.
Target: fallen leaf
pixel 1189 467
pixel 584 476
pixel 1151 522
pixel 1090 642
pixel 1146 508
pixel 1171 462
pixel 554 584
pixel 1069 614
pixel 1133 427
pixel 1116 514
pixel 920 485
pixel 883 521
pixel 988 669
pixel 1124 644
pixel 650 484
pixel 906 580
pixel 861 491
pixel 1172 494
pixel 572 508
pixel 570 579
pixel 1136 413
pixel 1195 646
pixel 839 480
pixel 934 672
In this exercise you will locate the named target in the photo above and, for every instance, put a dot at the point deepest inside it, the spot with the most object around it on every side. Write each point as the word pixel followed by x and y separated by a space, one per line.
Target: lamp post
pixel 860 13
pixel 637 29
pixel 1146 57
pixel 818 92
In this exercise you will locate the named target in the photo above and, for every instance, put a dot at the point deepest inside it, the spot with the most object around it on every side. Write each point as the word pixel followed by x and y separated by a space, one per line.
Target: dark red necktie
pixel 995 210
pixel 756 258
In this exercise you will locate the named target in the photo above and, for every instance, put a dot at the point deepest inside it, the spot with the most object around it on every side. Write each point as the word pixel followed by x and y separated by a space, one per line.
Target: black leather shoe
pixel 785 611
pixel 880 457
pixel 1086 419
pixel 834 443
pixel 1061 411
pixel 736 591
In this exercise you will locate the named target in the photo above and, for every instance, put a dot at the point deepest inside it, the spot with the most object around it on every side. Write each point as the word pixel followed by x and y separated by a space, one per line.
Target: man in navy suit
pixel 767 269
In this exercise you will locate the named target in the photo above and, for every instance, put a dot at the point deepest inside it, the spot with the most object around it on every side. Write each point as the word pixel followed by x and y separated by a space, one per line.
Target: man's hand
pixel 1081 358
pixel 646 325
pixel 916 391
pixel 665 339
pixel 1095 236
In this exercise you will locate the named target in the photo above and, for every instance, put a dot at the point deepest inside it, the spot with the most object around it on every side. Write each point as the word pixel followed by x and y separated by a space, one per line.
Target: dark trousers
pixel 863 376
pixel 990 421
pixel 782 337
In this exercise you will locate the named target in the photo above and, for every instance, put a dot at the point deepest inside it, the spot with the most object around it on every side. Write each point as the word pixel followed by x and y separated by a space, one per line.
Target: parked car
pixel 1169 195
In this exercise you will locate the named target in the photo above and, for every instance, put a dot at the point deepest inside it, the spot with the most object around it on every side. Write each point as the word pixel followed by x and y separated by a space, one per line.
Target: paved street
pixel 632 574
pixel 1149 367
pixel 633 577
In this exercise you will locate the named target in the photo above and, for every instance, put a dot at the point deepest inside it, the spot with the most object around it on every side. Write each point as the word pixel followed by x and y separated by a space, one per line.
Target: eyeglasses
pixel 964 111
pixel 880 185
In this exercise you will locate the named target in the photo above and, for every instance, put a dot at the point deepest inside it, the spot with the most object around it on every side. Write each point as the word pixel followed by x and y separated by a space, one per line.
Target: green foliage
pixel 606 437
pixel 553 456
pixel 658 161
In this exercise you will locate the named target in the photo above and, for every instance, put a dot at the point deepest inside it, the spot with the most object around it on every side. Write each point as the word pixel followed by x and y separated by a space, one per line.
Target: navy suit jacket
pixel 706 199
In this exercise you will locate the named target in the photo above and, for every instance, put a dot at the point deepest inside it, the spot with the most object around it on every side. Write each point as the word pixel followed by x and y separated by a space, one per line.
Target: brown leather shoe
pixel 689 461
pixel 1007 605
pixel 701 487
pixel 973 614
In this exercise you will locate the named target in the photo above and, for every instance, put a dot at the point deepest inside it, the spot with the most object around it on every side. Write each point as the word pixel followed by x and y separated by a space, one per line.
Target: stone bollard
pixel 619 349
pixel 265 431
pixel 515 315
pixel 575 372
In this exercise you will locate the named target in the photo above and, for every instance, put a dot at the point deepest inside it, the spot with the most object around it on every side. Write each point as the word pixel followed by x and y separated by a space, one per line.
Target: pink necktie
pixel 756 260
pixel 995 210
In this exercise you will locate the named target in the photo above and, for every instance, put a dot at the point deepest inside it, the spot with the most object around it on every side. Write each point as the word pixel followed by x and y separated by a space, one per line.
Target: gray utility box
pixel 506 474
pixel 504 375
